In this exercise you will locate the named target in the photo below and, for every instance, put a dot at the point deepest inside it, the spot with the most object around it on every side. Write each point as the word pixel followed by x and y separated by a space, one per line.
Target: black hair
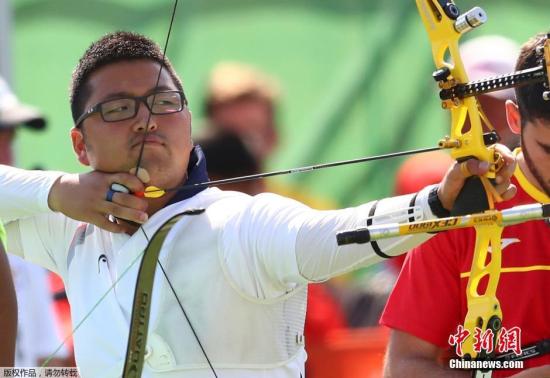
pixel 530 101
pixel 112 48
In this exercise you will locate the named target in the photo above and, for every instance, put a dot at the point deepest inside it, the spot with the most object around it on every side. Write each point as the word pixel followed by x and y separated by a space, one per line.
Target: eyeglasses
pixel 121 109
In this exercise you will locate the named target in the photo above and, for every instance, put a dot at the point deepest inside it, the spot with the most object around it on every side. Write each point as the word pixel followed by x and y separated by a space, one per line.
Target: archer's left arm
pixel 271 244
pixel 319 257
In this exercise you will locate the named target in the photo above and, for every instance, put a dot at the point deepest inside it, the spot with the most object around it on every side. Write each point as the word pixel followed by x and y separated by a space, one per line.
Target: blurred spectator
pixel 486 57
pixel 37 333
pixel 243 100
pixel 227 157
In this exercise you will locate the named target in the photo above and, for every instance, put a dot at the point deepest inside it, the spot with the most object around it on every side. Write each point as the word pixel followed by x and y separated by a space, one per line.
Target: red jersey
pixel 429 298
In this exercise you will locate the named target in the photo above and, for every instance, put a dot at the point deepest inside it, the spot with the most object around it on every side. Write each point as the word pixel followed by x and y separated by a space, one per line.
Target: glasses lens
pixel 119 109
pixel 165 102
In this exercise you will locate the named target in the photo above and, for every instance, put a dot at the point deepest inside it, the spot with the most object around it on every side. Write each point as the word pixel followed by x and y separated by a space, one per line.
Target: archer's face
pixel 535 140
pixel 115 146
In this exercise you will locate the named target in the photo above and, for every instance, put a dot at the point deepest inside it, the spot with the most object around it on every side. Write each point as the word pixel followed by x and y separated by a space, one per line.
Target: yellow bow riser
pixel 445 26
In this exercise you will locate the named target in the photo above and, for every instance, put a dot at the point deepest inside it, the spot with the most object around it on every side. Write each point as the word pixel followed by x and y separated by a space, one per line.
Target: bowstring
pixel 138 163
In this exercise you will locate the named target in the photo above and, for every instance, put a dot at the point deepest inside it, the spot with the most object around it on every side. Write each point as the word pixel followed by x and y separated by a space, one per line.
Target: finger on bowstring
pixel 128 200
pixel 131 182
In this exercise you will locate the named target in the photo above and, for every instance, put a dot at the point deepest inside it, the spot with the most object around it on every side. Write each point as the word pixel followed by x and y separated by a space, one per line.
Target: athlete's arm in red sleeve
pixel 424 309
pixel 409 356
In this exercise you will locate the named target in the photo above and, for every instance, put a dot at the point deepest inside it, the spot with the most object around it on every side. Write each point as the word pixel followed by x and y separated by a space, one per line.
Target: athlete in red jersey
pixel 429 300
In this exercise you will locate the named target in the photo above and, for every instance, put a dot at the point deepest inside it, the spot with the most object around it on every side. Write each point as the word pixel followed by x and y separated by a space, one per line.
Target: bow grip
pixel 472 198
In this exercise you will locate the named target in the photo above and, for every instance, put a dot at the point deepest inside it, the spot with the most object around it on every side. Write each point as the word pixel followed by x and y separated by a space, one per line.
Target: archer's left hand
pixel 455 177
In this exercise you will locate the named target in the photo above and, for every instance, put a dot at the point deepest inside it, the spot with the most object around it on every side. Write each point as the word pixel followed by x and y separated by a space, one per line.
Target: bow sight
pixel 541 74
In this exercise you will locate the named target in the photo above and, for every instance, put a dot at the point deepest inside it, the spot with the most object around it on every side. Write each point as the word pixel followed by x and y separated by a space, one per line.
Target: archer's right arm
pixel 81 197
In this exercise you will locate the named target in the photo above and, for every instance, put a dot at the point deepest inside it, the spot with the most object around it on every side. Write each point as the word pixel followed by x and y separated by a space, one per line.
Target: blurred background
pixel 354 76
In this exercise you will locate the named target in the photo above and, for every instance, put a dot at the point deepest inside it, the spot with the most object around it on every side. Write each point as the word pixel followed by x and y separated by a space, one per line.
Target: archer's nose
pixel 145 120
pixel 150 125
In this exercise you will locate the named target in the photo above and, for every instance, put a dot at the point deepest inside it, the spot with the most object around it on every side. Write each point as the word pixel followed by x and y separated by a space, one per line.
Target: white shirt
pixel 241 270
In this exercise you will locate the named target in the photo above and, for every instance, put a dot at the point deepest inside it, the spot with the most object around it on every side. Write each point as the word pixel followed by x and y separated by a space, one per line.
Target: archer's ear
pixel 79 146
pixel 513 117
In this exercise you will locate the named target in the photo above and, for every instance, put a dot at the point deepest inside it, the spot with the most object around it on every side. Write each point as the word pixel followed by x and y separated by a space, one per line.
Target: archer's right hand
pixel 83 197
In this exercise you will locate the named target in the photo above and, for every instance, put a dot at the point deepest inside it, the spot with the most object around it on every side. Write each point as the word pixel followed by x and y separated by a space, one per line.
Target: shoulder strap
pixel 141 308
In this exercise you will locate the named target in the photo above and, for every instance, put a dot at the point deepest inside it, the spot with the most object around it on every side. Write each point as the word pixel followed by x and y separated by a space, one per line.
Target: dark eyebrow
pixel 162 88
pixel 115 95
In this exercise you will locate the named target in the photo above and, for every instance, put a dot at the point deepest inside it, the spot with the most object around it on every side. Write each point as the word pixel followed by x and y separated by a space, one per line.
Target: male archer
pixel 428 303
pixel 230 298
